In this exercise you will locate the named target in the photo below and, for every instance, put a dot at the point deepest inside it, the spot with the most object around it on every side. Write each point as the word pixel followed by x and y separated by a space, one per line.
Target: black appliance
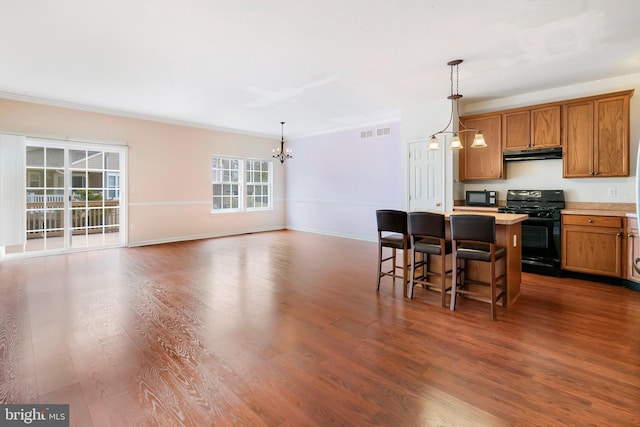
pixel 481 198
pixel 533 154
pixel 541 231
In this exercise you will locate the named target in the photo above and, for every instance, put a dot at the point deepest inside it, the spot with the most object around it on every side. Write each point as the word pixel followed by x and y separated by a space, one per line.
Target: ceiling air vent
pixel 366 134
pixel 383 131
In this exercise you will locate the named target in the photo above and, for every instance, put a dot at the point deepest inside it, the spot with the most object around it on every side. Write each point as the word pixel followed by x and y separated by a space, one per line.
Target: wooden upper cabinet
pixel 578 139
pixel 516 130
pixel 545 127
pixel 482 163
pixel 592 131
pixel 611 139
pixel 531 128
pixel 596 136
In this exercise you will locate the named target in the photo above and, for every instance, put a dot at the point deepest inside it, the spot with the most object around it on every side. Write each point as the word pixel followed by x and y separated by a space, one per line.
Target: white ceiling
pixel 318 65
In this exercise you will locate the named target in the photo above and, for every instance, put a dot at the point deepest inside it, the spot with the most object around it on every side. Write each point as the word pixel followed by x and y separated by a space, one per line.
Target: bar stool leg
pixel 405 271
pixel 443 279
pixel 493 288
pixel 413 272
pixel 454 278
pixel 379 265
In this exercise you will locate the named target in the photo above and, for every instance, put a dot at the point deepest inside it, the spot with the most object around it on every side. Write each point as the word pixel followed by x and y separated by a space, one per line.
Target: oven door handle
pixel 537 219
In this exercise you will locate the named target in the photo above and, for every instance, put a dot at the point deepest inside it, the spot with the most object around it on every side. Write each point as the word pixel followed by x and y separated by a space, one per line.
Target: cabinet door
pixel 516 129
pixel 593 250
pixel 578 139
pixel 633 250
pixel 611 143
pixel 545 127
pixel 482 163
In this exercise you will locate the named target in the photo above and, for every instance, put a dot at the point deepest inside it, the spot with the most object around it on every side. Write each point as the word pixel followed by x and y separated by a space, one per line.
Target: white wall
pixel 336 181
pixel 547 174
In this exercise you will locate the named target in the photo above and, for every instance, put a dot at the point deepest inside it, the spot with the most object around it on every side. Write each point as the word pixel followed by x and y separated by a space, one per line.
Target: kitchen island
pixel 509 235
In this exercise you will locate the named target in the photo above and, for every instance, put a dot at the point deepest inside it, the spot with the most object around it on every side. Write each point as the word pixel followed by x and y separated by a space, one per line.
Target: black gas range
pixel 541 231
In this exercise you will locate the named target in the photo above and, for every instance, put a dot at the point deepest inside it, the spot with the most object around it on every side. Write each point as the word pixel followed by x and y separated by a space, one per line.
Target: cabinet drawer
pixel 592 220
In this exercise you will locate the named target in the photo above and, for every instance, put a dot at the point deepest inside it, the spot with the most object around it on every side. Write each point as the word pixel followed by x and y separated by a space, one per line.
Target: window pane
pixel 55 157
pixel 112 161
pixel 35 157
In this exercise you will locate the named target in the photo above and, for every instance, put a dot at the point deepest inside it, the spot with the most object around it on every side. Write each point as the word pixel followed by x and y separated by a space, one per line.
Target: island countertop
pixel 508 235
pixel 501 218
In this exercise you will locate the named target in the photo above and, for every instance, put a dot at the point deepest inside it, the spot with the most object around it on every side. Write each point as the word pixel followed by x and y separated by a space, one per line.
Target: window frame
pixel 243 183
pixel 262 184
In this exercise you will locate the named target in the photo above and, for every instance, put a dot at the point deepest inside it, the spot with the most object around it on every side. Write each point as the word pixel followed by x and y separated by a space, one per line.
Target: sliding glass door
pixel 74 198
pixel 95 197
pixel 45 207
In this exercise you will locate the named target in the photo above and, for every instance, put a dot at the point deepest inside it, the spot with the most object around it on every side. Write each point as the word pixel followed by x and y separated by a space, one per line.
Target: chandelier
pixel 280 153
pixel 478 140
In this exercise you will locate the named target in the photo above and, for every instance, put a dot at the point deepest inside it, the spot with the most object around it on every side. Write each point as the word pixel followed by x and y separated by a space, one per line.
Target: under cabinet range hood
pixel 533 154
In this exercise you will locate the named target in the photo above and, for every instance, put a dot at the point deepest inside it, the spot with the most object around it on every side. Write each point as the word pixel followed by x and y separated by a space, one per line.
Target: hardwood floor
pixel 286 329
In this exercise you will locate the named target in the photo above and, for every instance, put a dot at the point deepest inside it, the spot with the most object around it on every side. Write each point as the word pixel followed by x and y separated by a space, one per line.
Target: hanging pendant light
pixel 478 141
pixel 434 144
pixel 280 153
pixel 456 144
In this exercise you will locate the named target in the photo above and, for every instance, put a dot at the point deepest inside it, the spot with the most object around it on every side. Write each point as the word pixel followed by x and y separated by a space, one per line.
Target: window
pixel 241 184
pixel 258 184
pixel 226 184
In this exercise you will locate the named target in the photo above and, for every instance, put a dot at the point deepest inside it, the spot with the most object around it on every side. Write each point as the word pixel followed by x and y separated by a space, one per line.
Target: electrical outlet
pixel 611 192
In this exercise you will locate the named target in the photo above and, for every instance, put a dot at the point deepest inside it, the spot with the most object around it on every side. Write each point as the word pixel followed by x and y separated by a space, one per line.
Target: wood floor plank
pixel 286 328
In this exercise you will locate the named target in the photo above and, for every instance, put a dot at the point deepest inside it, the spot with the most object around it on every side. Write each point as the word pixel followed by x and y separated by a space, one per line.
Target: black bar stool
pixel 473 237
pixel 427 233
pixel 393 232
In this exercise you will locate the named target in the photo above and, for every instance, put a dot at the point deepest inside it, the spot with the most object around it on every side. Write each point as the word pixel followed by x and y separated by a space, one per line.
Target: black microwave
pixel 481 198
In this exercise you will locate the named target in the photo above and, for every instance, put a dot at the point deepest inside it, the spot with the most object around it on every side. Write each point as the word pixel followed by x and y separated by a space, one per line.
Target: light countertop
pixel 501 218
pixel 476 208
pixel 598 212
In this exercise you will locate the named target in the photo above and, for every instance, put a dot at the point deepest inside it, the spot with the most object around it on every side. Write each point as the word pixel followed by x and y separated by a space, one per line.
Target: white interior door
pixel 426 176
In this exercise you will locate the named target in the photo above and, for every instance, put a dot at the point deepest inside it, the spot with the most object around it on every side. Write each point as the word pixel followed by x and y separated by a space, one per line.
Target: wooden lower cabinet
pixel 633 249
pixel 593 245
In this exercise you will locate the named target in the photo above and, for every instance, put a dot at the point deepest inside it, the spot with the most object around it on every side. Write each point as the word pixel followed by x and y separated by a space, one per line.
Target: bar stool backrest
pixel 427 224
pixel 392 221
pixel 479 228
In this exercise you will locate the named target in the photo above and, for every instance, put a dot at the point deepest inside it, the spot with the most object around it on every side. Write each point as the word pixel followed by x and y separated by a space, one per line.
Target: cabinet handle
pixel 619 234
pixel 589 220
pixel 630 236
